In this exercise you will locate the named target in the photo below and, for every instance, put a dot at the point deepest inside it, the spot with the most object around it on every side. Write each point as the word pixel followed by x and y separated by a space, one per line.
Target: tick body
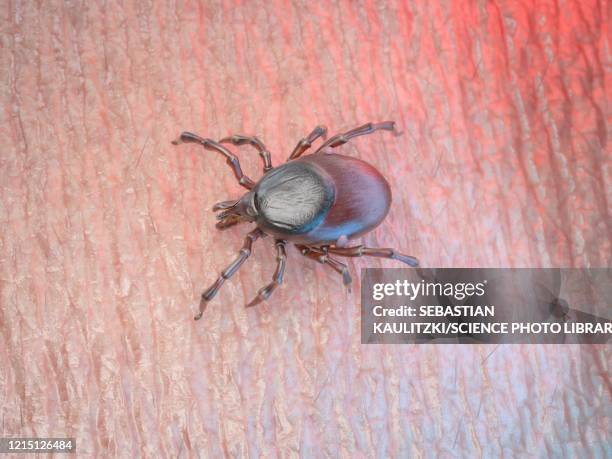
pixel 320 198
pixel 318 202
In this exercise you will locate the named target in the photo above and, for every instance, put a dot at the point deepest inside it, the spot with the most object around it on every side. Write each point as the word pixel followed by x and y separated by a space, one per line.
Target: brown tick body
pixel 318 202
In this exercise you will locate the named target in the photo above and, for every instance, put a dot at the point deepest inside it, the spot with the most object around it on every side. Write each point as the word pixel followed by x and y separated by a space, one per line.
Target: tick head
pixel 242 210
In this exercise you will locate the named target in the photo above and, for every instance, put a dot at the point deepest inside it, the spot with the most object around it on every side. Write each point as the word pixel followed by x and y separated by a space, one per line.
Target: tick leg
pixel 306 142
pixel 244 253
pixel 369 128
pixel 322 257
pixel 239 139
pixel 277 279
pixel 360 251
pixel 232 160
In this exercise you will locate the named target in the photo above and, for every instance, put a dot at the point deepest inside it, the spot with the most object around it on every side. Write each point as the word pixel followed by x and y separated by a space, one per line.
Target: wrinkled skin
pixel 107 237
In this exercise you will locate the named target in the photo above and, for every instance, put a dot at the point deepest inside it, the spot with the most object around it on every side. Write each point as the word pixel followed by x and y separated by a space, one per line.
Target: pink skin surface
pixel 107 238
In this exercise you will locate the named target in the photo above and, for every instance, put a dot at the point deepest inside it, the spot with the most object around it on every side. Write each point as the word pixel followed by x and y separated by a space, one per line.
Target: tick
pixel 317 201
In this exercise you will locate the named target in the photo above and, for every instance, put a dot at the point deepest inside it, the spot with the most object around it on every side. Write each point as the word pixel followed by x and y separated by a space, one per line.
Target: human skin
pixel 108 240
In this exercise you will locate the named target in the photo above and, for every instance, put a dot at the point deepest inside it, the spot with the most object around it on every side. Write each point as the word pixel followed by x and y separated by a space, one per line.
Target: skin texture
pixel 108 240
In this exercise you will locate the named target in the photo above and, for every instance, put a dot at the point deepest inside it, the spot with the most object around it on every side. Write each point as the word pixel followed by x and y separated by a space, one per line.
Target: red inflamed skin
pixel 499 158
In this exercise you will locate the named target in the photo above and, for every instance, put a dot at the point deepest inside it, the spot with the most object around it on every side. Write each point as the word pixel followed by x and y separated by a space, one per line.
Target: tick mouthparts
pixel 224 205
pixel 237 209
pixel 226 213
